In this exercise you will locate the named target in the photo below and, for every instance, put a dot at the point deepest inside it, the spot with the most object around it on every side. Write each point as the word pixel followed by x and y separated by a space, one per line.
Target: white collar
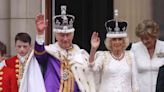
pixel 22 59
pixel 56 51
pixel 2 64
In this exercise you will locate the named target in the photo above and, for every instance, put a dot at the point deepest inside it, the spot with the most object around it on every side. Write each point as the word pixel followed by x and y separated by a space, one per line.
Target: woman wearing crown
pixel 116 67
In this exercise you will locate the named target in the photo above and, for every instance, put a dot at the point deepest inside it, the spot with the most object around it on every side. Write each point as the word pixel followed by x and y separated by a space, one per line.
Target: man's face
pixel 64 39
pixel 22 48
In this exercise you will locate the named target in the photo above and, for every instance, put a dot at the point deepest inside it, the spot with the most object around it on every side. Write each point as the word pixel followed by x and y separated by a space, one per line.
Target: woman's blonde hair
pixel 108 44
pixel 148 27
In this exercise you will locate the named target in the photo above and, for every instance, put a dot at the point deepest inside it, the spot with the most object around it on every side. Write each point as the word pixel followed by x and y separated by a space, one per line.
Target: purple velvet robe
pixel 52 73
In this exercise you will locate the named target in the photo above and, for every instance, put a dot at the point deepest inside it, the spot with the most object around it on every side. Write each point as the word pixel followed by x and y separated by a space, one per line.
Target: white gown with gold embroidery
pixel 116 76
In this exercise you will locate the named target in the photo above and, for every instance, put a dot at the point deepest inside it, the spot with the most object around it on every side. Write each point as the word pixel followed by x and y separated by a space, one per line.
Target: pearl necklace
pixel 118 58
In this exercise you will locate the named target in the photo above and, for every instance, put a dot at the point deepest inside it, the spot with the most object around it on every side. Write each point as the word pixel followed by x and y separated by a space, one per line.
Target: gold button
pixel 16 70
pixel 1 88
pixel 1 78
pixel 17 75
pixel 1 72
pixel 1 83
pixel 17 66
pixel 17 61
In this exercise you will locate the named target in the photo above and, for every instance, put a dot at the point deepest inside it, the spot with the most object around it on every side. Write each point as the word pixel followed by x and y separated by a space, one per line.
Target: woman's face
pixel 117 43
pixel 148 40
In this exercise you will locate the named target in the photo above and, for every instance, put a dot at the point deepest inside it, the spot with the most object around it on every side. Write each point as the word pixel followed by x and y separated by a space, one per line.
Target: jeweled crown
pixel 116 28
pixel 63 22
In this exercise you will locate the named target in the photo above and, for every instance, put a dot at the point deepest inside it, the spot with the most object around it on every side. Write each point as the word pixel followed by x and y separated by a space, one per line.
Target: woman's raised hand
pixel 95 40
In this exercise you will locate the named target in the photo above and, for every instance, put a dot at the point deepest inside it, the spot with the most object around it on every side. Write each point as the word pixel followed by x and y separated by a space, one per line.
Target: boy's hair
pixel 2 49
pixel 24 37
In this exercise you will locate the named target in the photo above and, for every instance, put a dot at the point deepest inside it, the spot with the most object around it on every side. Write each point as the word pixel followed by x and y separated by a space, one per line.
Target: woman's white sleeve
pixel 135 86
pixel 98 61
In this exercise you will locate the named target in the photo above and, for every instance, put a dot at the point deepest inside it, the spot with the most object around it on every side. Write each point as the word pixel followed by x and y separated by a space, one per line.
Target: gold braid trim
pixel 61 81
pixel 69 78
pixel 105 60
pixel 66 85
pixel 129 61
pixel 72 89
pixel 65 81
pixel 39 53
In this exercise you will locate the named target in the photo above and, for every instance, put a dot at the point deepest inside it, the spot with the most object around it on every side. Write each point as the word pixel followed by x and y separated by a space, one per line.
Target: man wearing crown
pixel 66 64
